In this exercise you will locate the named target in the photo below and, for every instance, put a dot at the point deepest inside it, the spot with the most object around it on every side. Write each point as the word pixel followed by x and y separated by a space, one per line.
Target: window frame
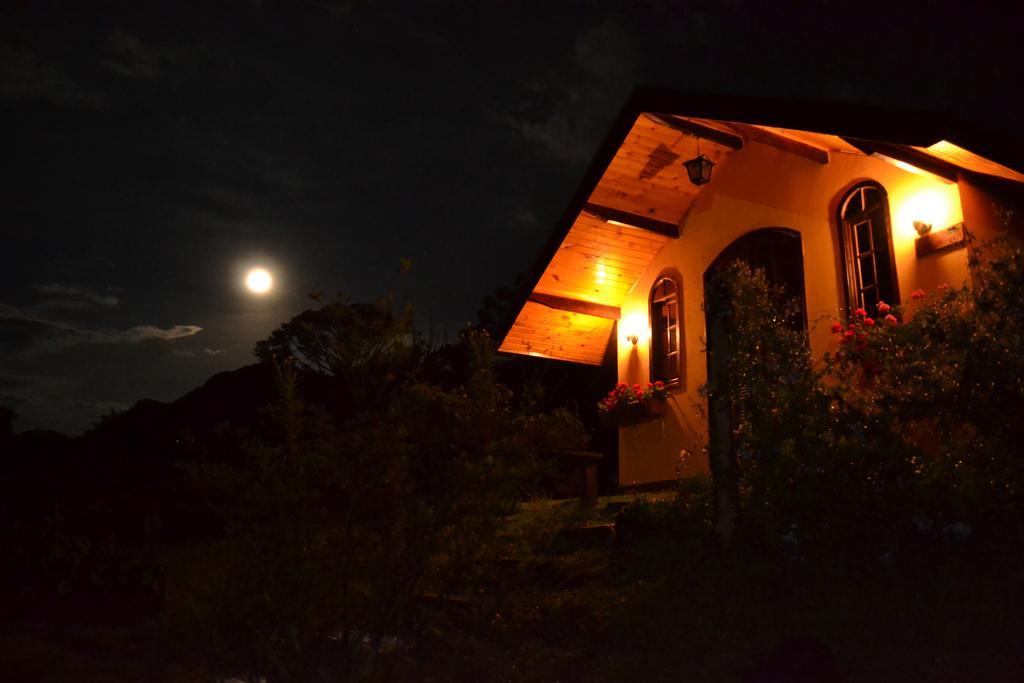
pixel 658 365
pixel 852 285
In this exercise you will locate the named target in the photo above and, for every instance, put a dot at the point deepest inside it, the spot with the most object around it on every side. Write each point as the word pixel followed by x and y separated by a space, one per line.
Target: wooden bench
pixel 585 466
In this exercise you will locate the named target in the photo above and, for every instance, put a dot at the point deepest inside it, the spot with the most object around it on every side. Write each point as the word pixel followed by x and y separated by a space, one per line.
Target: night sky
pixel 151 156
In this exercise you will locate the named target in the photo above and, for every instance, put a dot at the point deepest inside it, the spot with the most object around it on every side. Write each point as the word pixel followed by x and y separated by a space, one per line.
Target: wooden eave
pixel 616 228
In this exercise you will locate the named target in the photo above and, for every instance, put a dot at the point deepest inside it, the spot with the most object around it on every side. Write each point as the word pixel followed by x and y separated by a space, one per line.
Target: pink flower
pixel 836 328
pixel 883 307
pixel 918 294
pixel 860 312
pixel 944 286
pixel 891 319
pixel 869 322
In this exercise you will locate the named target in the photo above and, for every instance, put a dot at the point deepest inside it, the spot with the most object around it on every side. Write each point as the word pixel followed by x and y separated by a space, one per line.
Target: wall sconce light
pixel 633 328
pixel 922 228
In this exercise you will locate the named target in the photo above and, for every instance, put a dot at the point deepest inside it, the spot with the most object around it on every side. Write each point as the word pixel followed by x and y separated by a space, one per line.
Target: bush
pixel 341 518
pixel 905 425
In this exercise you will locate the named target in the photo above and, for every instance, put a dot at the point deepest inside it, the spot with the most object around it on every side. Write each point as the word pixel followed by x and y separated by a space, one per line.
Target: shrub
pixel 339 520
pixel 909 417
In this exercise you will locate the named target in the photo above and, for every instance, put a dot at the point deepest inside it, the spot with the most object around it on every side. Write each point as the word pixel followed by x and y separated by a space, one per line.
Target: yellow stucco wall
pixel 761 187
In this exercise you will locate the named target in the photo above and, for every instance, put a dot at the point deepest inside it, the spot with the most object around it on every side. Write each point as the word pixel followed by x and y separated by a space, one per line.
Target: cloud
pixel 132 58
pixel 72 296
pixel 24 77
pixel 142 333
pixel 187 353
pixel 23 333
pixel 567 109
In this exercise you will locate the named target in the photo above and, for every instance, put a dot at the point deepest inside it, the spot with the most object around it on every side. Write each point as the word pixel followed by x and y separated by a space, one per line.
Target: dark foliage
pixel 340 515
pixel 903 431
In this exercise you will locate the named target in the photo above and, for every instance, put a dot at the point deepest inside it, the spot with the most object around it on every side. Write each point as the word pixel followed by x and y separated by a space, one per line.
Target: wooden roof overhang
pixel 620 223
pixel 636 193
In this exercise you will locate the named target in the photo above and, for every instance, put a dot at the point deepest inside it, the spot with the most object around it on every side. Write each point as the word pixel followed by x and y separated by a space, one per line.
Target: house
pixel 834 201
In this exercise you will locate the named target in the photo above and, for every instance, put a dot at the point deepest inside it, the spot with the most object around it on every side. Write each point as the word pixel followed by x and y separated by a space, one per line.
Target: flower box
pixel 635 413
pixel 628 405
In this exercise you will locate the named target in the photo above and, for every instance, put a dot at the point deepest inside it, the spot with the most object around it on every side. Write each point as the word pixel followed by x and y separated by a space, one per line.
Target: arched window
pixel 867 248
pixel 666 349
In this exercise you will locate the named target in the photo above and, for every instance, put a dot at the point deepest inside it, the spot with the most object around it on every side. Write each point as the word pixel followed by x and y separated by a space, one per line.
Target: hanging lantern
pixel 699 169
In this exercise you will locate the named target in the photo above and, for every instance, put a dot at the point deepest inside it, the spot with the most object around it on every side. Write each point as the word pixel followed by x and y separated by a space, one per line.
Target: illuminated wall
pixel 760 187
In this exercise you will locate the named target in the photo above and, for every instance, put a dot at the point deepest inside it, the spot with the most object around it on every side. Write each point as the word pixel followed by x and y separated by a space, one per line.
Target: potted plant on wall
pixel 626 405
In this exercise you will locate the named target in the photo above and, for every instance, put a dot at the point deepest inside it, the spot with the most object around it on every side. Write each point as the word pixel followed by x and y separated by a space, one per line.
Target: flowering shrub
pixel 949 382
pixel 624 395
pixel 912 413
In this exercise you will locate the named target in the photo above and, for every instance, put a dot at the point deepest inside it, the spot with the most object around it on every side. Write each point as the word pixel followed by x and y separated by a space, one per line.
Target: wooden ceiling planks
pixel 551 333
pixel 646 176
pixel 599 261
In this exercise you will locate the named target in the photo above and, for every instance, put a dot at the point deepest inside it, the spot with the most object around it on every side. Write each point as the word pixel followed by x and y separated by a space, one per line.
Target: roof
pixel 635 194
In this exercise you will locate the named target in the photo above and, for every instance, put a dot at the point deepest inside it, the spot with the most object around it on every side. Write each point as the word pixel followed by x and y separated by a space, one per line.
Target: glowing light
pixel 899 163
pixel 929 207
pixel 259 281
pixel 602 274
pixel 634 329
pixel 910 168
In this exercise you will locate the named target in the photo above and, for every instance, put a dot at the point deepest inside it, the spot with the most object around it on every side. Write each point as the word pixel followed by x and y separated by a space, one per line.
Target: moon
pixel 259 281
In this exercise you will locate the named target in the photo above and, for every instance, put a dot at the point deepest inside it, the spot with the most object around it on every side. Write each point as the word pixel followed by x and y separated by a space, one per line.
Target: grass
pixel 657 606
pixel 664 607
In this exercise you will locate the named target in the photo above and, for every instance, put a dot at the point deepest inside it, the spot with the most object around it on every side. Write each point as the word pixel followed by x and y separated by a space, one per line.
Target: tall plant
pixel 767 408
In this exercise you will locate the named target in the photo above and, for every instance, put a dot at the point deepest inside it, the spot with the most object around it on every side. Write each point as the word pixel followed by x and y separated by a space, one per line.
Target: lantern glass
pixel 699 169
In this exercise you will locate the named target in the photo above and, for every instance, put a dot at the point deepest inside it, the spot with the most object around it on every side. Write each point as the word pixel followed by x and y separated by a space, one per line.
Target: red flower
pixel 836 328
pixel 891 319
pixel 860 312
pixel 869 322
pixel 944 286
pixel 659 384
pixel 918 294
pixel 883 307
